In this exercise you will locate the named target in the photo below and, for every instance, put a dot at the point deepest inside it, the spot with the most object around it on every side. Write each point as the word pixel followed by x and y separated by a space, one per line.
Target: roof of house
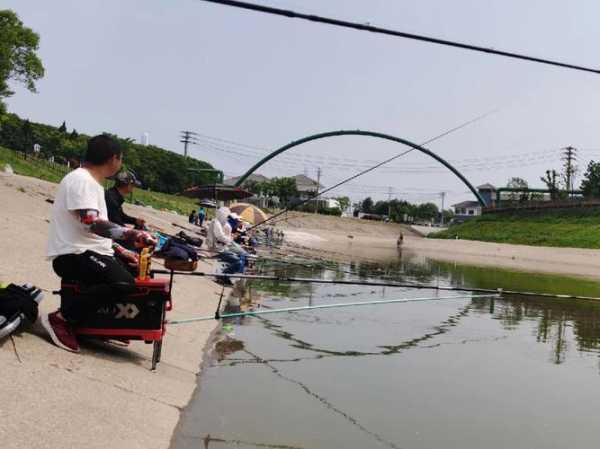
pixel 466 204
pixel 253 177
pixel 486 186
pixel 305 184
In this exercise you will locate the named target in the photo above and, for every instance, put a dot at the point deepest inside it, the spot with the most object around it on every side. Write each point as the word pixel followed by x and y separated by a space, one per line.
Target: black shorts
pixel 103 278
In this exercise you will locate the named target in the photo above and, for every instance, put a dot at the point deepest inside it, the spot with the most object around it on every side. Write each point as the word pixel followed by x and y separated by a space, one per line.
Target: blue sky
pixel 260 81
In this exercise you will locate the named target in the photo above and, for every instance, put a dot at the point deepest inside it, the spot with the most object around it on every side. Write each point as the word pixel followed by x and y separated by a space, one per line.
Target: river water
pixel 516 372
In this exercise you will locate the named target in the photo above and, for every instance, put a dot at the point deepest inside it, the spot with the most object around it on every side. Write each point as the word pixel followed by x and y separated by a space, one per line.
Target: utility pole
pixel 390 203
pixel 443 195
pixel 188 137
pixel 569 158
pixel 317 193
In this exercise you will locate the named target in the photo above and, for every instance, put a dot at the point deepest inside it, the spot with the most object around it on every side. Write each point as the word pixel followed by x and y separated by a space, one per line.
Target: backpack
pixel 18 303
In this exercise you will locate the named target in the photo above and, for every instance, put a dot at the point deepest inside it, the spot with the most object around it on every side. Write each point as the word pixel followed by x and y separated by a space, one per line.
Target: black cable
pixel 363 27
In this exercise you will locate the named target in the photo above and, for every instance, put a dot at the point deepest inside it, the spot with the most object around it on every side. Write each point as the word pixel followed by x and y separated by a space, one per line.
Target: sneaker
pixel 60 331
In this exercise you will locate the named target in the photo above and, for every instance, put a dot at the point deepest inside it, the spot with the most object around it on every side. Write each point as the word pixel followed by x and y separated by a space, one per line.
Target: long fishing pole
pixel 378 30
pixel 218 316
pixel 370 169
pixel 377 284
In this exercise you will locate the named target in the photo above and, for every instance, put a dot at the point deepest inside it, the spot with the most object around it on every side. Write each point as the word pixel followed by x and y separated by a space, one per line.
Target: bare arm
pixel 104 228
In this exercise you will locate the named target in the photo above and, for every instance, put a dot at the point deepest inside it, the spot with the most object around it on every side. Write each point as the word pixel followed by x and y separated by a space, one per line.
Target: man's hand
pixel 143 239
pixel 140 223
pixel 130 257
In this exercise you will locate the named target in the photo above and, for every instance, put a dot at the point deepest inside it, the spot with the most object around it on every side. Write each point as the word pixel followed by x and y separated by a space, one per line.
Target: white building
pixel 145 139
pixel 467 209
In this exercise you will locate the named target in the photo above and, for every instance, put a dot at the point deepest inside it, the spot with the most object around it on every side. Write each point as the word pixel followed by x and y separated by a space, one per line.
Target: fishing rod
pixel 378 284
pixel 370 169
pixel 386 31
pixel 218 316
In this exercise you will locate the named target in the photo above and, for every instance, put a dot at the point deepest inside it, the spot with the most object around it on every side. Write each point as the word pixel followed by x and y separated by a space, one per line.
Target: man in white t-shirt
pixel 81 241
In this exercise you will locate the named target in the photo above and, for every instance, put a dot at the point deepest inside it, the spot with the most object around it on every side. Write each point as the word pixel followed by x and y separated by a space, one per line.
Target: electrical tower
pixel 187 138
pixel 569 157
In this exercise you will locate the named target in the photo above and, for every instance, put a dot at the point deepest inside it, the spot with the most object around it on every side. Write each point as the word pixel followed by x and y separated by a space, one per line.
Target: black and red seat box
pixel 139 315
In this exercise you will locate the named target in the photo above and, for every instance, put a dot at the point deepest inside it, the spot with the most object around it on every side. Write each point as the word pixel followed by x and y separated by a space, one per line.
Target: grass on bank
pixel 573 228
pixel 41 169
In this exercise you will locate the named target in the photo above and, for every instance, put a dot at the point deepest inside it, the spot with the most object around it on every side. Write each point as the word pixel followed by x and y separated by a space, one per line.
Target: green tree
pixel 63 128
pixel 18 59
pixel 344 202
pixel 284 188
pixel 27 137
pixel 551 181
pixel 518 183
pixel 367 205
pixel 427 211
pixel 590 184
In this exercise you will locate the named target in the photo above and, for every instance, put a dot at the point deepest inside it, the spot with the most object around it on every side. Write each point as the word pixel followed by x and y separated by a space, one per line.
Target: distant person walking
pixel 201 216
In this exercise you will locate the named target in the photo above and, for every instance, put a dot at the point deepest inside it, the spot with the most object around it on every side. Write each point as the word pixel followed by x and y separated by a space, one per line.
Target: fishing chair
pixel 140 315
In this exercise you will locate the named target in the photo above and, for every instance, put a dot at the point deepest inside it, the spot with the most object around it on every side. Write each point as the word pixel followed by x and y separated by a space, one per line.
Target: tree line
pixel 400 210
pixel 158 169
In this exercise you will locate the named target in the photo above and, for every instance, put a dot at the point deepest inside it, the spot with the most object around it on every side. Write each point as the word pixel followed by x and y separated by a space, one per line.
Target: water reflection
pixel 447 374
pixel 553 317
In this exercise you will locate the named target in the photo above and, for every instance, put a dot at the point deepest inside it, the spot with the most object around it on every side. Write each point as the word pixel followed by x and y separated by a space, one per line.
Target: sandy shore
pixel 370 241
pixel 106 396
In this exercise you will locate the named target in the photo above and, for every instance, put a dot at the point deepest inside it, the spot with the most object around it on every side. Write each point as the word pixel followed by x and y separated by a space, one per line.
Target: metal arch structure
pixel 358 132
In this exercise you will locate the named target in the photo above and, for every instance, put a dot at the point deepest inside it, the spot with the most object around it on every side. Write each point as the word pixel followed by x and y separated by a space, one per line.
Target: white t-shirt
pixel 78 190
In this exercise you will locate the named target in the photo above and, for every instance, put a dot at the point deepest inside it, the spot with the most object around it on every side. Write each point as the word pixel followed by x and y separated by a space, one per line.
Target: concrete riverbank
pixel 369 241
pixel 106 396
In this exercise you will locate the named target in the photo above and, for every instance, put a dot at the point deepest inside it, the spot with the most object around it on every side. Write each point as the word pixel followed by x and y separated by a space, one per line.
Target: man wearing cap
pixel 125 182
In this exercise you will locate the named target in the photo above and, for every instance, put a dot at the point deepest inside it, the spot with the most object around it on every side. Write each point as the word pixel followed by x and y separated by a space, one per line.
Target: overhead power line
pixel 366 27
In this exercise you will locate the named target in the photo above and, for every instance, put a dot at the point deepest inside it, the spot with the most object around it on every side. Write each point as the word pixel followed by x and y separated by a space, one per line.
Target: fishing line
pixel 324 306
pixel 366 27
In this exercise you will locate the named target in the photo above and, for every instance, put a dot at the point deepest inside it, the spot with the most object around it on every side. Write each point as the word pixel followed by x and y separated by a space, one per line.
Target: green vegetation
pixel 283 188
pixel 39 168
pixel 574 228
pixel 18 59
pixel 401 210
pixel 157 168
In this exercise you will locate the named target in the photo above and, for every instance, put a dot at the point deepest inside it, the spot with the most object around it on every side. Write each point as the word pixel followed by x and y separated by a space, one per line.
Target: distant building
pixel 145 139
pixel 488 193
pixel 469 209
pixel 306 187
pixel 255 177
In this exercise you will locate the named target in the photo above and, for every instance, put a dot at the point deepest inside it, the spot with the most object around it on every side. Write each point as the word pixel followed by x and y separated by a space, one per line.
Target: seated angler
pixel 81 241
pixel 125 182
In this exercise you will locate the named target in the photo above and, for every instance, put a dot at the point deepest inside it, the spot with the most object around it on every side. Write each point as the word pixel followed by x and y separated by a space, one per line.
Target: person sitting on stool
pixel 80 242
pixel 125 182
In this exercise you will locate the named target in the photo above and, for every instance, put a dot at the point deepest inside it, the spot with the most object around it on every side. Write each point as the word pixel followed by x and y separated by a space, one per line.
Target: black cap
pixel 125 178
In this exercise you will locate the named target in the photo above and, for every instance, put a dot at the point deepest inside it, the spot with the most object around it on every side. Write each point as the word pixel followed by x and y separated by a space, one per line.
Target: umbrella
pixel 217 191
pixel 249 213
